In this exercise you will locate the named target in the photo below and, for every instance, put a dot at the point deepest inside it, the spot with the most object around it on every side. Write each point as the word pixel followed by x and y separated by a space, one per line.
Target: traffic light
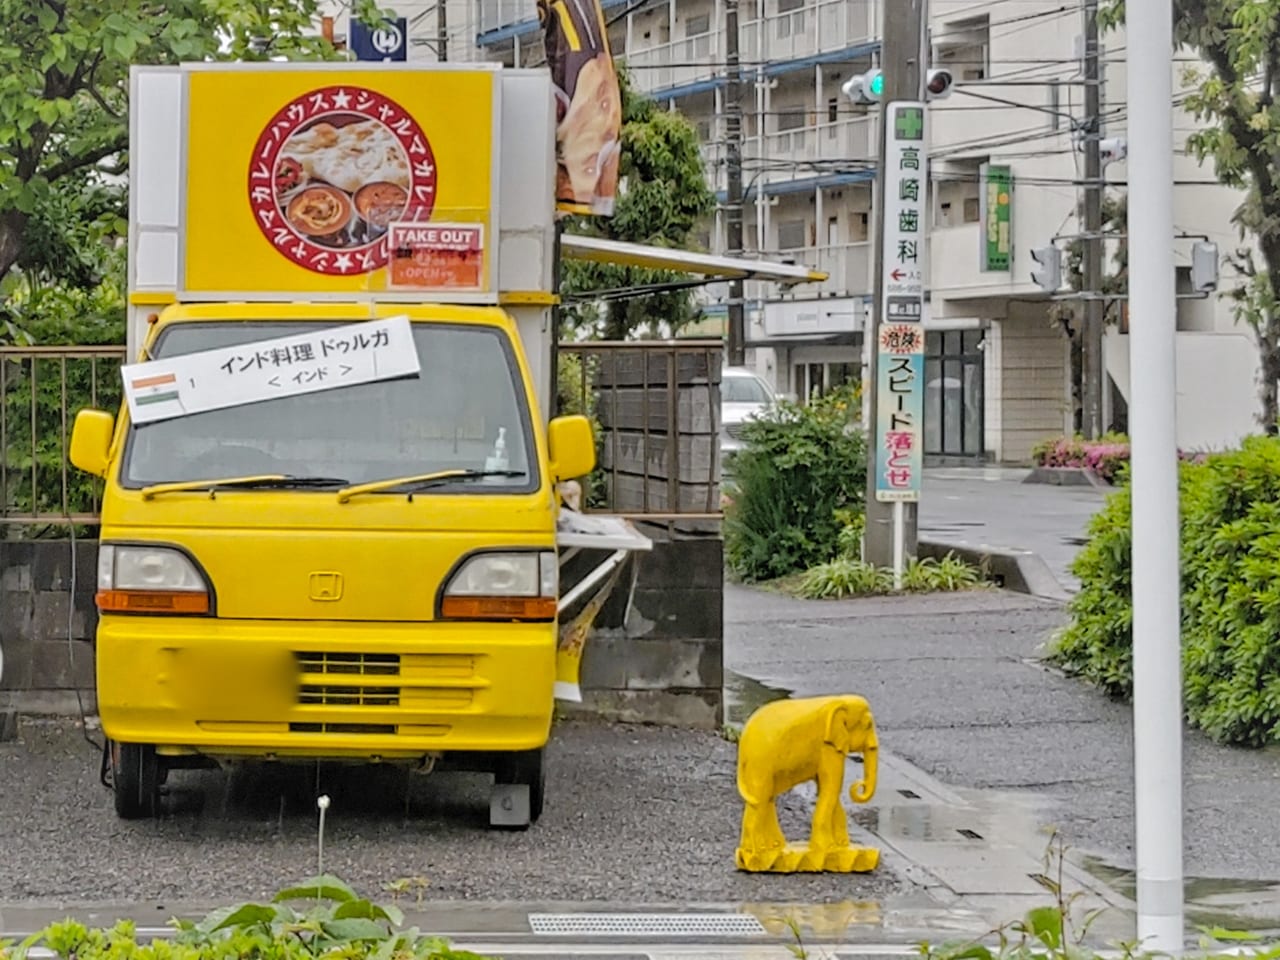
pixel 937 84
pixel 864 87
pixel 1049 277
pixel 1204 266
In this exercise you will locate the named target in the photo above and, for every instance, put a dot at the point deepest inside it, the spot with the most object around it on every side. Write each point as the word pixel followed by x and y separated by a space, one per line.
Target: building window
pixel 790 120
pixel 953 393
pixel 698 25
pixel 963 46
pixel 833 110
pixel 791 234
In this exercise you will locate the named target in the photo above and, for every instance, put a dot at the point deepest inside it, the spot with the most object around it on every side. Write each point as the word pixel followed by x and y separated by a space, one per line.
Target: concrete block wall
pixel 47 618
pixel 659 661
pixel 662 659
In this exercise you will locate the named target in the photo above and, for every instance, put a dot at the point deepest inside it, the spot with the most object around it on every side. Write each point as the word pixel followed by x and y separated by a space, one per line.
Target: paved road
pixel 956 692
pixel 994 507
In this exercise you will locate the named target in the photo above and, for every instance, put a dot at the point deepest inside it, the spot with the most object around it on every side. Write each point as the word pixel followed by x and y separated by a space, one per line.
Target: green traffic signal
pixel 877 84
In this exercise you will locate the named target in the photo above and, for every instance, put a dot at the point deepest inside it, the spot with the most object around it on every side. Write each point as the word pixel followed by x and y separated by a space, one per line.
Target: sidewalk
pixel 991 506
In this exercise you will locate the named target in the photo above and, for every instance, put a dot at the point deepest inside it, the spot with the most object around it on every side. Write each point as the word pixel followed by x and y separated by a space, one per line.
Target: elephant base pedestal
pixel 794 858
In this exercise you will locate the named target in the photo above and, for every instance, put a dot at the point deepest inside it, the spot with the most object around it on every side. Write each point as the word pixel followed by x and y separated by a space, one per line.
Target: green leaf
pixel 369 910
pixel 353 928
pixel 324 887
pixel 1045 924
pixel 246 915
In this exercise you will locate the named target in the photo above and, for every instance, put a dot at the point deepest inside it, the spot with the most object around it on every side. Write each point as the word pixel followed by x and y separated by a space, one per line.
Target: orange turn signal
pixel 152 601
pixel 498 608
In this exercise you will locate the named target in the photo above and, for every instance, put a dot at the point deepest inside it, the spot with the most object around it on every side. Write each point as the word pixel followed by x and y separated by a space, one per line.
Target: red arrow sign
pixel 897 274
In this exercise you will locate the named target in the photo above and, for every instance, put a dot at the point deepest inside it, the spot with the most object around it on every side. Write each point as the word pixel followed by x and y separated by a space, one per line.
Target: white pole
pixel 899 542
pixel 1157 648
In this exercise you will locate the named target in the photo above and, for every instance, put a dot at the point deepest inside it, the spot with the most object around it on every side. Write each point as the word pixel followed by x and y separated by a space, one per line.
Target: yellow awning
pixel 684 261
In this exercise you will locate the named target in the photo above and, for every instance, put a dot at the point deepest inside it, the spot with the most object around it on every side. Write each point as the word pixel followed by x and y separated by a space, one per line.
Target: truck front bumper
pixel 328 690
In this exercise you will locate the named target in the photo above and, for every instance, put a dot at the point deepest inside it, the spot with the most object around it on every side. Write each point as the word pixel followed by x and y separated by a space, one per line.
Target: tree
pixel 1234 97
pixel 64 70
pixel 665 198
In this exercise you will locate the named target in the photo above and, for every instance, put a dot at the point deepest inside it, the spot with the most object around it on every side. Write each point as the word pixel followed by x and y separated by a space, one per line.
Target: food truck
pixel 331 527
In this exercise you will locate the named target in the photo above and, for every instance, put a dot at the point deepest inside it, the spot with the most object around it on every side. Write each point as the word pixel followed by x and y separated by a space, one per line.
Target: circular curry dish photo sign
pixel 332 171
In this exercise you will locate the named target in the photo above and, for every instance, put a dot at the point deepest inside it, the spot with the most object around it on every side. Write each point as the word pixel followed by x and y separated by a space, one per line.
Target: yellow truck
pixel 329 526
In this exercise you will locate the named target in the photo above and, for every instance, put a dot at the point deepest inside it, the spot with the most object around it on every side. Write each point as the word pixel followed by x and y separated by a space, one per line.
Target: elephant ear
pixel 836 718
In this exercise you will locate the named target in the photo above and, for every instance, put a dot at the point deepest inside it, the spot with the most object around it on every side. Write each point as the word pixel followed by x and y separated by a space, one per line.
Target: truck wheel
pixel 528 768
pixel 135 780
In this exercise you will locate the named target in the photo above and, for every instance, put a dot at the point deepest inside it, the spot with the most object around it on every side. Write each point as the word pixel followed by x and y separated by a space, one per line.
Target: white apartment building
pixel 998 366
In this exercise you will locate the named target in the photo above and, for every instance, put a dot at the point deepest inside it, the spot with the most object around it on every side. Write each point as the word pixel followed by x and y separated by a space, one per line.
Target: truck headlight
pixel 503 586
pixel 135 578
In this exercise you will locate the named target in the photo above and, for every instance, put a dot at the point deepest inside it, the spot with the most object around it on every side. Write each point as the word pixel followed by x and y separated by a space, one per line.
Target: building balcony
pixel 824 26
pixel 848 266
pixel 677 63
pixel 852 141
pixel 955 264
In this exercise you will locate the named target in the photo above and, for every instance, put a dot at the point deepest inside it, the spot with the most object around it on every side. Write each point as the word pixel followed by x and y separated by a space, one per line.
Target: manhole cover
pixel 646 924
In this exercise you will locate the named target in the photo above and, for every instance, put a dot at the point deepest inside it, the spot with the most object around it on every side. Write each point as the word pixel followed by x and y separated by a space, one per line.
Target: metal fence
pixel 655 405
pixel 41 390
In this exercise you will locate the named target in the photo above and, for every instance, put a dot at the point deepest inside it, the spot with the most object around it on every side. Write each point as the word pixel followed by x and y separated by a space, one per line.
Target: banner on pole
pixel 588 105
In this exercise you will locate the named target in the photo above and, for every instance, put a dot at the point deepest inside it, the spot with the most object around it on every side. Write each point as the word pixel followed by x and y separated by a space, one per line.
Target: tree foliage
pixel 664 200
pixel 1234 98
pixel 64 72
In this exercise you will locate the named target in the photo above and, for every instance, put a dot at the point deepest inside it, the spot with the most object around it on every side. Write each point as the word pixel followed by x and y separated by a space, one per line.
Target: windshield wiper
pixel 272 481
pixel 422 480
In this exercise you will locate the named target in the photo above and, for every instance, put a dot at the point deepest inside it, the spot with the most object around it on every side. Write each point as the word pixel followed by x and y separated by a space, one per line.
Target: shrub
pixel 338 924
pixel 848 576
pixel 799 466
pixel 1105 457
pixel 930 575
pixel 1230 553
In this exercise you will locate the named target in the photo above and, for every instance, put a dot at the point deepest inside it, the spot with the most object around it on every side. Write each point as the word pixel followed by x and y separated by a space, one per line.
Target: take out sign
pixel 295 178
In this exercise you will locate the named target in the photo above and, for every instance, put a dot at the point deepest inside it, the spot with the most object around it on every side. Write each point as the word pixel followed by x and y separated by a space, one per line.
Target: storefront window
pixel 953 393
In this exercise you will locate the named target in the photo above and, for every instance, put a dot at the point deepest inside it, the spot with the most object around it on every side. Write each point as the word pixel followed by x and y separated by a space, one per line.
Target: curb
pixel 1068 477
pixel 1018 570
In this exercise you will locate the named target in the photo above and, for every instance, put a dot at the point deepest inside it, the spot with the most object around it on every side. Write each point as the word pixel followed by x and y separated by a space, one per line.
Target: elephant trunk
pixel 864 789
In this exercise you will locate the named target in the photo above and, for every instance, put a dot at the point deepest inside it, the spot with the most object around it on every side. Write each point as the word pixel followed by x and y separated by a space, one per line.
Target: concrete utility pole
pixel 904 60
pixel 1093 375
pixel 733 160
pixel 1157 648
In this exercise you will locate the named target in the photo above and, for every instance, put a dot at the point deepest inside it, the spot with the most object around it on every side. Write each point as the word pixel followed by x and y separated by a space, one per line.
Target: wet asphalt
pixel 957 690
pixel 637 815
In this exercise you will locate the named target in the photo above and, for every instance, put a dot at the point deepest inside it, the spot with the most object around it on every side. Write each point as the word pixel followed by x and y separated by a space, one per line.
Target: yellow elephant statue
pixel 790 742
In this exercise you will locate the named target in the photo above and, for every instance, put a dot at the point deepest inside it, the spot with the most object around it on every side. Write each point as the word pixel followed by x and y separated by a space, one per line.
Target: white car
pixel 742 395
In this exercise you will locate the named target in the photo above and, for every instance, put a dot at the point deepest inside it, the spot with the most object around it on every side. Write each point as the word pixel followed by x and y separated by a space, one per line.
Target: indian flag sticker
pixel 158 389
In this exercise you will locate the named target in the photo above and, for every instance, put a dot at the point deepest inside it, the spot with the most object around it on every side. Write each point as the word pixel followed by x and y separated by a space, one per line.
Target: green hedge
pixel 1230 555
pixel 802 472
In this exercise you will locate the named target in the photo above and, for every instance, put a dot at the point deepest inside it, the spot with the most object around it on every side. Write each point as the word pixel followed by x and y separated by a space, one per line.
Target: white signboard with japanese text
pixel 323 359
pixel 899 431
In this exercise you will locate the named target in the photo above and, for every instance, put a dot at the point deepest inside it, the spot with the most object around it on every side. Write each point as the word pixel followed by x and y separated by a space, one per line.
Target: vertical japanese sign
pixel 995 208
pixel 588 105
pixel 900 340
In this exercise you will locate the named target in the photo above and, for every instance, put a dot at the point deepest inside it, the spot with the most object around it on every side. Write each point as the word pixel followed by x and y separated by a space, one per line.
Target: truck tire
pixel 527 767
pixel 135 780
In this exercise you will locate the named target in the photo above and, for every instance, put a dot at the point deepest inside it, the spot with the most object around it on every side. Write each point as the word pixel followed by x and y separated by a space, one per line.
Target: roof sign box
pixel 293 178
pixel 281 367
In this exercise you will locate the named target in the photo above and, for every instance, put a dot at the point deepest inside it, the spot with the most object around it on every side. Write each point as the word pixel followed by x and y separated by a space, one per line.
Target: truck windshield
pixel 449 417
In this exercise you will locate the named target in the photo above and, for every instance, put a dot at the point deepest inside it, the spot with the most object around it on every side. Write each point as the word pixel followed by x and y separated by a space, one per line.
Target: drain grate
pixel 969 834
pixel 910 794
pixel 646 924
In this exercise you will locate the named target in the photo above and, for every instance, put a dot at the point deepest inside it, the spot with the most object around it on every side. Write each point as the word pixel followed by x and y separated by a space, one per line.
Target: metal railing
pixel 656 408
pixel 655 405
pixel 41 389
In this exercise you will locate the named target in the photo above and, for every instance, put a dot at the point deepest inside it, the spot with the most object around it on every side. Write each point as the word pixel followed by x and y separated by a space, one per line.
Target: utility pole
pixel 1093 374
pixel 1157 657
pixel 733 161
pixel 904 64
pixel 442 30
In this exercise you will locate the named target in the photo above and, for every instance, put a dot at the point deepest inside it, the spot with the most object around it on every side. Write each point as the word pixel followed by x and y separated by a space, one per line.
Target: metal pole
pixel 1093 375
pixel 1157 688
pixel 733 159
pixel 899 543
pixel 442 30
pixel 902 61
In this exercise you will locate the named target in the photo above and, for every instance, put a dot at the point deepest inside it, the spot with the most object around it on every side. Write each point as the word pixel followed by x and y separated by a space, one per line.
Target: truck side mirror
pixel 91 441
pixel 573 447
